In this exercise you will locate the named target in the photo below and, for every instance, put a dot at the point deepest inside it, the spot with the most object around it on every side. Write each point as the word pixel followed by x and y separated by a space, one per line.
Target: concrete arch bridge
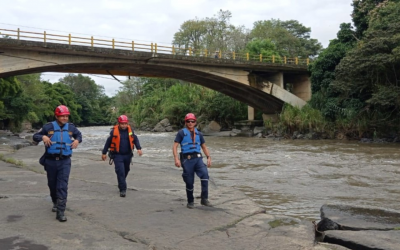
pixel 260 83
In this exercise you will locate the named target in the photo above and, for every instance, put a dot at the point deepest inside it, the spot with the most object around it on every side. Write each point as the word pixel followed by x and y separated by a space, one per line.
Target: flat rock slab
pixel 152 216
pixel 388 240
pixel 361 217
pixel 375 228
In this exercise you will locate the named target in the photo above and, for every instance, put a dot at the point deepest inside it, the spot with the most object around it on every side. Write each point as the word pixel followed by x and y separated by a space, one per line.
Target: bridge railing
pixel 143 47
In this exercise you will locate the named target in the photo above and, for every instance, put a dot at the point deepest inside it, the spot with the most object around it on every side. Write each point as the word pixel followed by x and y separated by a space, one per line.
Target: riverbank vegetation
pixel 355 80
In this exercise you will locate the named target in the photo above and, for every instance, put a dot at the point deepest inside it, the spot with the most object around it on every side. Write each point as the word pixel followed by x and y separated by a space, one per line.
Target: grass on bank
pixel 12 161
pixel 309 120
pixel 302 120
pixel 19 164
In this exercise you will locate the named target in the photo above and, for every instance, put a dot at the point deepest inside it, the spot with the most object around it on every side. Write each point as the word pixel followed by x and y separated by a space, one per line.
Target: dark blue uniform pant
pixel 191 166
pixel 122 168
pixel 57 180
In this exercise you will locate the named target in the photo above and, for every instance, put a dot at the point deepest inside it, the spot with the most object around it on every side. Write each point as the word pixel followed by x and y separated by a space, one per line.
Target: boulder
pixel 212 127
pixel 163 126
pixel 258 130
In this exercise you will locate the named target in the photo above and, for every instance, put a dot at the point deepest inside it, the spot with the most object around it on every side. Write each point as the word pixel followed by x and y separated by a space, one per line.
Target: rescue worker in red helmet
pixel 121 143
pixel 59 137
pixel 191 159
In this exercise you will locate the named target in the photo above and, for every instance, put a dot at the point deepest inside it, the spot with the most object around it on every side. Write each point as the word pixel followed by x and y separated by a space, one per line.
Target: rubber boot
pixel 190 205
pixel 61 217
pixel 206 203
pixel 54 209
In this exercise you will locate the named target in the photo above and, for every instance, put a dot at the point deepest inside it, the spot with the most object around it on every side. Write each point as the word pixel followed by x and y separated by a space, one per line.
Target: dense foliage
pixel 211 34
pixel 28 98
pixel 267 37
pixel 290 38
pixel 153 99
pixel 355 81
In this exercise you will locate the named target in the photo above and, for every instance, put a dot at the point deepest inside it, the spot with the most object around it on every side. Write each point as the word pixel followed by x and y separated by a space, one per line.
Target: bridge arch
pixel 258 85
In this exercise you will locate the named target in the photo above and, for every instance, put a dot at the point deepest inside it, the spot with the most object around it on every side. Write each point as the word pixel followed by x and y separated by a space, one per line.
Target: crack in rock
pixel 226 227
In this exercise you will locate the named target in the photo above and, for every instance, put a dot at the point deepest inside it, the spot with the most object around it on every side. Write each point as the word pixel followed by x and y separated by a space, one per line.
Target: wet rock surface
pixel 359 227
pixel 154 213
pixel 152 216
pixel 15 141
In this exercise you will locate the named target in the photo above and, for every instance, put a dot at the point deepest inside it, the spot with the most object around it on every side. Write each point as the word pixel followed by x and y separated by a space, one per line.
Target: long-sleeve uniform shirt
pixel 124 146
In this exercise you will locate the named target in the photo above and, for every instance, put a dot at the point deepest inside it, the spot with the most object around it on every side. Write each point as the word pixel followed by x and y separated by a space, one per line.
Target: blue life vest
pixel 187 145
pixel 61 141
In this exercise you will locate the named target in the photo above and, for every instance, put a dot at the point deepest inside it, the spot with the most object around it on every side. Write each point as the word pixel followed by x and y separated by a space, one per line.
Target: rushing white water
pixel 288 177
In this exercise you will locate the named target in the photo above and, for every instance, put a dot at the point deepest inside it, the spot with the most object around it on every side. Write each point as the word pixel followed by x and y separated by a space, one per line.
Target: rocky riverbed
pixel 154 213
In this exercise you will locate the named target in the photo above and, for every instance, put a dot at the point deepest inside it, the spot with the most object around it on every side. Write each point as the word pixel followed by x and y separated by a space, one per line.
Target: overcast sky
pixel 157 20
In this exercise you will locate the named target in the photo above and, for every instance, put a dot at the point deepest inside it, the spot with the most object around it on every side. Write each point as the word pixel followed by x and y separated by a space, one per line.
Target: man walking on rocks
pixel 59 138
pixel 191 159
pixel 121 142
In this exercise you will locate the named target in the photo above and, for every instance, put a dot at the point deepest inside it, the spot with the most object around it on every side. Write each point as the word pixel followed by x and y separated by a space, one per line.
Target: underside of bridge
pixel 248 83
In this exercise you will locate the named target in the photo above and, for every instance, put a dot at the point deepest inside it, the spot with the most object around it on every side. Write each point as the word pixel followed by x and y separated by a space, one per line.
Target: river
pixel 286 177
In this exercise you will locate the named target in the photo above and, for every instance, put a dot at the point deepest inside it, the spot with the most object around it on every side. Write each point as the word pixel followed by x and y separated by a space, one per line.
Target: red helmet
pixel 61 110
pixel 190 116
pixel 123 119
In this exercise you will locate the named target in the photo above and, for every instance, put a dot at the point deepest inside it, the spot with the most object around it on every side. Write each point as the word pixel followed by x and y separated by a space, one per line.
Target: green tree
pixel 360 15
pixel 14 103
pixel 264 47
pixel 211 34
pixel 222 108
pixel 83 86
pixel 131 90
pixel 8 87
pixel 324 98
pixel 323 68
pixel 141 98
pixel 291 38
pixel 61 94
pixel 153 99
pixel 34 88
pixel 370 72
pixel 88 94
pixel 191 34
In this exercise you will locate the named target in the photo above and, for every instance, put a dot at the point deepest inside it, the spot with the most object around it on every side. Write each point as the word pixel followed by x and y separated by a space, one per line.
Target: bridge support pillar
pixel 250 113
pixel 301 85
pixel 277 79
